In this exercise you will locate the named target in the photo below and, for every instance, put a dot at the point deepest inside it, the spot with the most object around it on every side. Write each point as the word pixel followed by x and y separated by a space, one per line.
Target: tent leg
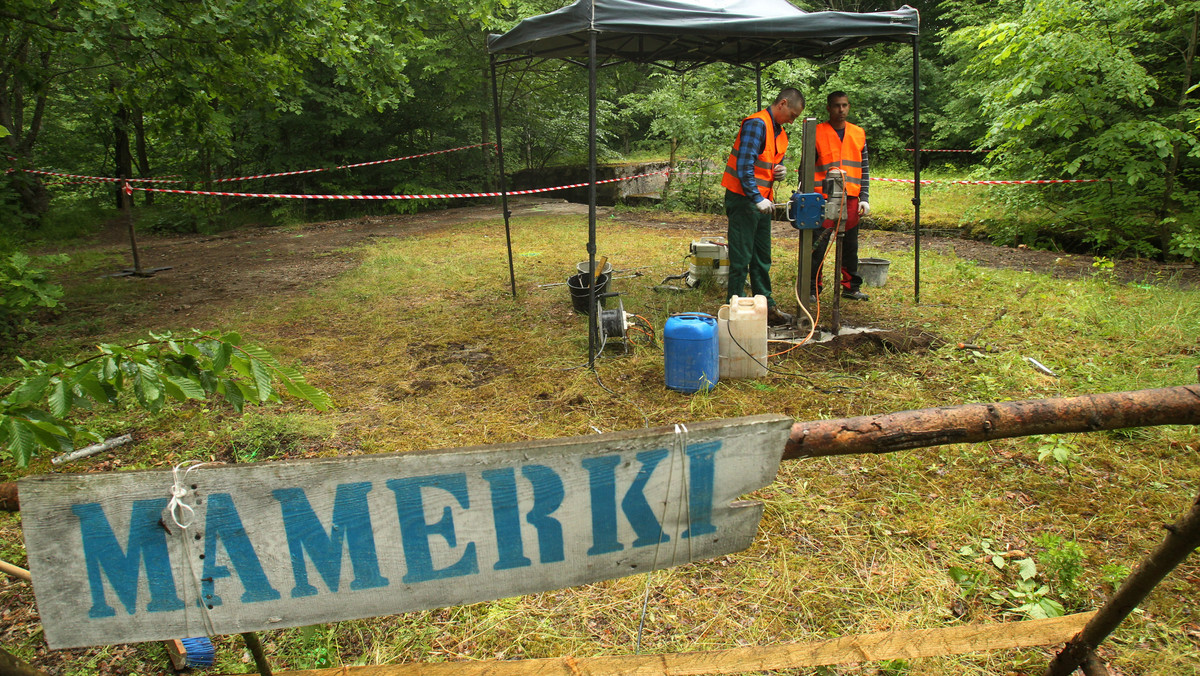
pixel 758 86
pixel 916 60
pixel 512 276
pixel 591 247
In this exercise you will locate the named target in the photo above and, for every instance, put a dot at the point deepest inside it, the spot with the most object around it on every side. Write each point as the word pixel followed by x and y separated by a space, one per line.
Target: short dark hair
pixel 839 94
pixel 793 96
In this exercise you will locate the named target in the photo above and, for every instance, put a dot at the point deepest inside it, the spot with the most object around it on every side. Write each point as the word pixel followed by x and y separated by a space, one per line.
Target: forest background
pixel 139 88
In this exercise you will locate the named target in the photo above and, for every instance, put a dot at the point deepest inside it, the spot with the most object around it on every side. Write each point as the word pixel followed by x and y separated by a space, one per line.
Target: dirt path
pixel 211 269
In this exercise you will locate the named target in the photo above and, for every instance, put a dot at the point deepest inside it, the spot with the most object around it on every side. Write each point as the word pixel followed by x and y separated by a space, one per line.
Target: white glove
pixel 780 172
pixel 765 206
pixel 864 208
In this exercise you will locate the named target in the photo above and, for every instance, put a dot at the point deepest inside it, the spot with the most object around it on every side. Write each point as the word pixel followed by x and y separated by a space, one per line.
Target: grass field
pixel 422 347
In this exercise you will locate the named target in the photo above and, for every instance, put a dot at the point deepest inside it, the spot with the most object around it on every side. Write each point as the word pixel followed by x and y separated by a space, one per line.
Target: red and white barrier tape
pixel 129 190
pixel 105 179
pixel 1046 180
pixel 351 166
pixel 96 179
pixel 931 181
pixel 937 150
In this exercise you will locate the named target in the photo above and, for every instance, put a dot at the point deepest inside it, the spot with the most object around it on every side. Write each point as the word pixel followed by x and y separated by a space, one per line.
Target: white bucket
pixel 584 267
pixel 742 338
pixel 873 271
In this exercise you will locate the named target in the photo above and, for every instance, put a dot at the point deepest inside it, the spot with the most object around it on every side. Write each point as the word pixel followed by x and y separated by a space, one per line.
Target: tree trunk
pixel 671 166
pixel 121 154
pixel 31 192
pixel 143 159
pixel 1164 228
pixel 973 423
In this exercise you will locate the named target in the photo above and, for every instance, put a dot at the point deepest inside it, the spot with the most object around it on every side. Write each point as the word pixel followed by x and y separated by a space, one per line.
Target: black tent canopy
pixel 683 34
pixel 700 31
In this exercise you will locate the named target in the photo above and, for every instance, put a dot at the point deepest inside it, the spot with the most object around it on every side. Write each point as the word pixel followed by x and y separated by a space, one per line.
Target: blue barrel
pixel 690 352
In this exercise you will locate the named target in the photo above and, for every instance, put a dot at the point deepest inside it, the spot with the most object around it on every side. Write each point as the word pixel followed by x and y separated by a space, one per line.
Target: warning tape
pixel 58 183
pixel 129 190
pixel 931 181
pixel 936 150
pixel 105 179
pixel 351 166
pixel 1046 180
pixel 96 179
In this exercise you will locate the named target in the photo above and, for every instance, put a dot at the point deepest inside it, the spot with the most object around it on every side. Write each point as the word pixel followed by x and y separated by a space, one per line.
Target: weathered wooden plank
pixel 888 645
pixel 295 543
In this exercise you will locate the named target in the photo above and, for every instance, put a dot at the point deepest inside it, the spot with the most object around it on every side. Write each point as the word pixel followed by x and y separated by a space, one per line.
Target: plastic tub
pixel 690 352
pixel 873 271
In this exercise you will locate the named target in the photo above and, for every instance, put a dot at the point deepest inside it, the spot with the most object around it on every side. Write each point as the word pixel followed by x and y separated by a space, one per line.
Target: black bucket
pixel 578 284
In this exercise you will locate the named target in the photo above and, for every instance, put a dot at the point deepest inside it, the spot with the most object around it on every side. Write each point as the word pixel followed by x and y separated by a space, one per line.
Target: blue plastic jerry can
pixel 806 210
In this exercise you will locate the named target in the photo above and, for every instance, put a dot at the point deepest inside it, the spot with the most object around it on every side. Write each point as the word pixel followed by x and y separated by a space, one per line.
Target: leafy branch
pixel 35 405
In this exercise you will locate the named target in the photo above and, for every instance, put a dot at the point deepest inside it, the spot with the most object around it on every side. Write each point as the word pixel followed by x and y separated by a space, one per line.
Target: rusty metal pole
pixel 127 213
pixel 1183 537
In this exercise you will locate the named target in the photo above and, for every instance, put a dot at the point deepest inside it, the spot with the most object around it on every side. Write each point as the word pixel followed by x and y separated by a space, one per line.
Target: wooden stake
pixel 15 571
pixel 255 648
pixel 11 666
pixel 886 645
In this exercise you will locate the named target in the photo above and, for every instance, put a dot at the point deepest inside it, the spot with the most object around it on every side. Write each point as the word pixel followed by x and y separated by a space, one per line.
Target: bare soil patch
pixel 258 261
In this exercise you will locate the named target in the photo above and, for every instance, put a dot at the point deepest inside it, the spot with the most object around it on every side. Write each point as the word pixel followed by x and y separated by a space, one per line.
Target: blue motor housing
pixel 806 210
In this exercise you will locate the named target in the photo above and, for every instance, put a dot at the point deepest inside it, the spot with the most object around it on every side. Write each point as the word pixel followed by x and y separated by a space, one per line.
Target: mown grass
pixel 422 346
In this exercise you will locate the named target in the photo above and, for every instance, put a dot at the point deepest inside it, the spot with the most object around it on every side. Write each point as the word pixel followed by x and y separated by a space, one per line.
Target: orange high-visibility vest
pixel 764 165
pixel 843 153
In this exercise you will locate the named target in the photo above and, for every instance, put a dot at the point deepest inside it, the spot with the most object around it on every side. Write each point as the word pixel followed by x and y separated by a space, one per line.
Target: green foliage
pixel 1024 595
pixel 1057 449
pixel 1063 559
pixel 262 437
pixel 35 406
pixel 1114 573
pixel 1077 89
pixel 25 287
pixel 970 581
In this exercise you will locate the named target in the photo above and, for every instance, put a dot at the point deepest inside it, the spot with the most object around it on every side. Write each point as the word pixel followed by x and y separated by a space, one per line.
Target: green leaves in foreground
pixel 34 408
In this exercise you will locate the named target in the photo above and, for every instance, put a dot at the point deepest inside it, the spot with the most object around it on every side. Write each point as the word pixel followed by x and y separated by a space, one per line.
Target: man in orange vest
pixel 750 173
pixel 844 146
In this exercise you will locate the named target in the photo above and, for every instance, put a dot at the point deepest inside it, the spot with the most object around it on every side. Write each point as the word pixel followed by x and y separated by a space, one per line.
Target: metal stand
pixel 804 266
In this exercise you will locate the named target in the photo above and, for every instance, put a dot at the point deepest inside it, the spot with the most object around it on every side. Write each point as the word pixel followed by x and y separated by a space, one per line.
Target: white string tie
pixel 181 511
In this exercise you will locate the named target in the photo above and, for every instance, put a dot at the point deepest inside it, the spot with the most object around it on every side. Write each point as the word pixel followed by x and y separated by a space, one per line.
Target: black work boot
pixel 777 318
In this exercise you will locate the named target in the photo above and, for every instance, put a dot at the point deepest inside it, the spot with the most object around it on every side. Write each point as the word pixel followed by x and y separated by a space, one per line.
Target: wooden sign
pixel 225 549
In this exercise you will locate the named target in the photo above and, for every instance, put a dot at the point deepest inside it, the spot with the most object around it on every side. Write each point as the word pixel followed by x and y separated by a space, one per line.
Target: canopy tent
pixel 700 31
pixel 683 34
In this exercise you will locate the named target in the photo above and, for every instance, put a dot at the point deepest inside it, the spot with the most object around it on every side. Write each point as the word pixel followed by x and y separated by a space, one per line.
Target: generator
pixel 710 261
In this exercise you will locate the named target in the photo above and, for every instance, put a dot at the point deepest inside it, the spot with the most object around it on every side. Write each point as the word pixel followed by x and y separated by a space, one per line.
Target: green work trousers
pixel 749 239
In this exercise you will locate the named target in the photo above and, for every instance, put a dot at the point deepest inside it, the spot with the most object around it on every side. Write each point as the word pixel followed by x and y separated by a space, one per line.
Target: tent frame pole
pixel 758 86
pixel 591 247
pixel 916 201
pixel 512 276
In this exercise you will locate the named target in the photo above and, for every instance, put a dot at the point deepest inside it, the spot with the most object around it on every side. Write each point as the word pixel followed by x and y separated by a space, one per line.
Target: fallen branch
pixel 1183 537
pixel 972 423
pixel 84 452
